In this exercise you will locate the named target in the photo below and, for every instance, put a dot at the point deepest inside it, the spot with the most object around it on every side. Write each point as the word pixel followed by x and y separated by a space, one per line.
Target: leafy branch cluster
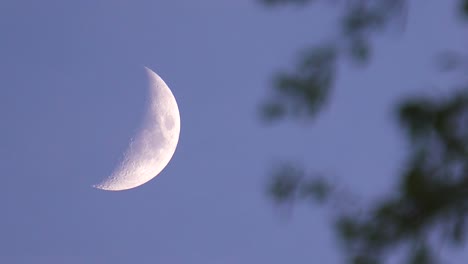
pixel 304 91
pixel 432 195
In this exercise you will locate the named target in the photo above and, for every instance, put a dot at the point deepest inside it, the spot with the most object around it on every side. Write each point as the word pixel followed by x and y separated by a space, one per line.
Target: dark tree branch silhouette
pixel 431 198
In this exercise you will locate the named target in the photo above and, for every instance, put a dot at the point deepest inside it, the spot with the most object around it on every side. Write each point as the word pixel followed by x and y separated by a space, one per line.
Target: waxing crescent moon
pixel 155 143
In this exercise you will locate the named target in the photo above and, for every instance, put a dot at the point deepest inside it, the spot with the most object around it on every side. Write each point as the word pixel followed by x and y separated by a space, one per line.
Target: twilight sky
pixel 72 93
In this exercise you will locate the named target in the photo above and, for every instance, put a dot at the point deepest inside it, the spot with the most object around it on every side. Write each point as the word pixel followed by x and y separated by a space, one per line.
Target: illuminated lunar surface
pixel 155 143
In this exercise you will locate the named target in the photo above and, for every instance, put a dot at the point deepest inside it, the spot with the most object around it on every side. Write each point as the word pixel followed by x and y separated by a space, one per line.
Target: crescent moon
pixel 155 143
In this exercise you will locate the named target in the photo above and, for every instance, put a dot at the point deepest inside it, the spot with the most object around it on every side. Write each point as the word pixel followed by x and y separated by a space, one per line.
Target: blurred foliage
pixel 276 2
pixel 449 61
pixel 304 91
pixel 430 203
pixel 289 183
pixel 464 8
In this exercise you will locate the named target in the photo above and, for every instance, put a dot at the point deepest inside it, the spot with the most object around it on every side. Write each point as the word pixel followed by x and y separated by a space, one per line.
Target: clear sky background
pixel 72 93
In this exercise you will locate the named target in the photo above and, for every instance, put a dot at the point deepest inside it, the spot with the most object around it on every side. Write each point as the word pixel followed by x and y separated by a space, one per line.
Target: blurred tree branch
pixel 432 195
pixel 303 92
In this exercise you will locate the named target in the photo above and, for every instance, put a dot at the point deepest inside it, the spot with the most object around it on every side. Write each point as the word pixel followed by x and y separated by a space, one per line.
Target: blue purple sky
pixel 72 93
